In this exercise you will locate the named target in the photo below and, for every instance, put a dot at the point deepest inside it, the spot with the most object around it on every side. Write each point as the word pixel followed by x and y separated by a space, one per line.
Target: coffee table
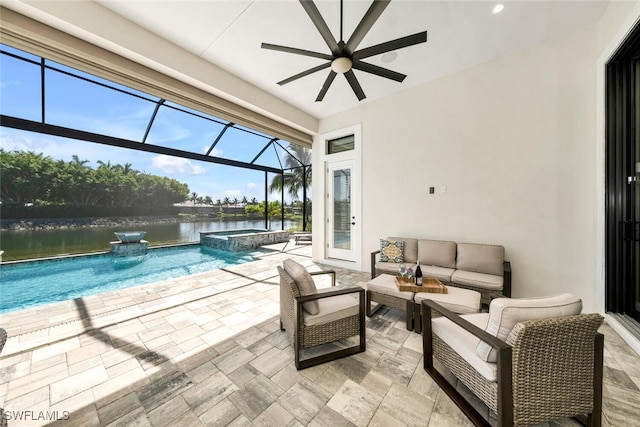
pixel 384 290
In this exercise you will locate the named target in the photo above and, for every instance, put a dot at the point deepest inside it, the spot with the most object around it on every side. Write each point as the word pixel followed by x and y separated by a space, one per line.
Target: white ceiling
pixel 461 34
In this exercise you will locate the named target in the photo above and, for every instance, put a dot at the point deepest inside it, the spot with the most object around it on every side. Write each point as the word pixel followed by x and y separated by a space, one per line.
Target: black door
pixel 622 180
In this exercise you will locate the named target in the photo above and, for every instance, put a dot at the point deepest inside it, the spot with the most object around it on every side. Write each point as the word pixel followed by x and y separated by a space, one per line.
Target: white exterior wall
pixel 518 144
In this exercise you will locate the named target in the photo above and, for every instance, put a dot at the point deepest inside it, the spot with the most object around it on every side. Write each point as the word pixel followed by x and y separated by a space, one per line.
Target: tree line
pixel 74 188
pixel 30 178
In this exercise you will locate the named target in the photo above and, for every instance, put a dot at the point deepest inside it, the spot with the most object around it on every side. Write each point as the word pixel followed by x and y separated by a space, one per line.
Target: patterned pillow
pixel 391 251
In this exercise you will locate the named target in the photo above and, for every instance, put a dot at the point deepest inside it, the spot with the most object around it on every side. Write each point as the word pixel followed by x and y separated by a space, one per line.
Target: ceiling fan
pixel 344 57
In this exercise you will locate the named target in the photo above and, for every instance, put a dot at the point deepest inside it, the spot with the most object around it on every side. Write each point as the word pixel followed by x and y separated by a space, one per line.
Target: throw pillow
pixel 305 284
pixel 391 251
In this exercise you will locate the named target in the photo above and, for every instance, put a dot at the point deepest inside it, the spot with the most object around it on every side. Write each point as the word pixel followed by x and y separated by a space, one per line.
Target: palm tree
pixel 234 202
pixel 293 177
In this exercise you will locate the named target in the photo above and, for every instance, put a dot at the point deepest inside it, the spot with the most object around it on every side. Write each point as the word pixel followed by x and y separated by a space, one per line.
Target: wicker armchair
pixel 546 369
pixel 339 316
pixel 3 340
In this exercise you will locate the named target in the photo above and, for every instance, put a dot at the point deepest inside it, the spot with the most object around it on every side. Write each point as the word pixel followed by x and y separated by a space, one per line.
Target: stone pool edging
pixel 242 239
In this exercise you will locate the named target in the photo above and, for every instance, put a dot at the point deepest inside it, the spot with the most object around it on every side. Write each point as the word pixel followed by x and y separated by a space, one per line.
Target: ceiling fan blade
pixel 296 51
pixel 369 18
pixel 325 86
pixel 396 44
pixel 355 85
pixel 305 73
pixel 378 71
pixel 313 12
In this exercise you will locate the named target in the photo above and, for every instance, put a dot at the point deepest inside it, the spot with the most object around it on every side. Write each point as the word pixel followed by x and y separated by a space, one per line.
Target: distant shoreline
pixel 70 223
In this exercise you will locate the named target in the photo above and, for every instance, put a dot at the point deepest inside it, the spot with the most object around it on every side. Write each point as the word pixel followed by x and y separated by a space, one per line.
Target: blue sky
pixel 78 104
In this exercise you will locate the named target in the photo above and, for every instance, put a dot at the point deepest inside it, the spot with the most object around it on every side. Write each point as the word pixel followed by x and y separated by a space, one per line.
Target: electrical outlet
pixel 443 189
pixel 432 190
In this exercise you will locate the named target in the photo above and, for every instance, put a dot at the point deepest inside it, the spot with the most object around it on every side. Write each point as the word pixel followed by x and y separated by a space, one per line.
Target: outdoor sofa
pixel 479 267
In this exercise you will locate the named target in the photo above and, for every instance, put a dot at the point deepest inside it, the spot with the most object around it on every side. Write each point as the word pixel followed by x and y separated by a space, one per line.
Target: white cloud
pixel 233 193
pixel 216 152
pixel 9 83
pixel 176 166
pixel 60 148
pixel 252 185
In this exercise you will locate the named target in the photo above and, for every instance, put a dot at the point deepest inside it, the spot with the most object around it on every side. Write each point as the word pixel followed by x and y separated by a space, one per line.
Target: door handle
pixel 629 230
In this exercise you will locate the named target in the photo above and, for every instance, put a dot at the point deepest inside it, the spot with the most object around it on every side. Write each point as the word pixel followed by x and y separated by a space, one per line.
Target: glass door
pixel 622 180
pixel 341 219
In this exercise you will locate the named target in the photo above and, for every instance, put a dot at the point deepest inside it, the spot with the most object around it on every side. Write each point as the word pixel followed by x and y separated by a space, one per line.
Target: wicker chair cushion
pixel 333 308
pixel 437 252
pixel 410 248
pixel 477 280
pixel 464 343
pixel 304 282
pixel 504 313
pixel 480 258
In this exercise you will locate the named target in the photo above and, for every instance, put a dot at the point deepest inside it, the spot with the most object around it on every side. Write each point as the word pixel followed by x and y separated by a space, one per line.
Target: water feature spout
pixel 130 244
pixel 130 236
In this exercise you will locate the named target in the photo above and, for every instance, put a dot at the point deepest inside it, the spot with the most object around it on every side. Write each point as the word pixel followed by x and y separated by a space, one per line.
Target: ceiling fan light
pixel 341 65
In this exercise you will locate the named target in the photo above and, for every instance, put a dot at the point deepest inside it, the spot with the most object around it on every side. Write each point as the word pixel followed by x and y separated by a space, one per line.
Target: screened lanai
pixel 47 97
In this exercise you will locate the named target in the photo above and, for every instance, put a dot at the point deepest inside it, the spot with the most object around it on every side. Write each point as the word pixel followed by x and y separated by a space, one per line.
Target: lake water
pixel 27 244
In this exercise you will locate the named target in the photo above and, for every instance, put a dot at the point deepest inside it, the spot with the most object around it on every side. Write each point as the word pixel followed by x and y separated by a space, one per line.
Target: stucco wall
pixel 514 142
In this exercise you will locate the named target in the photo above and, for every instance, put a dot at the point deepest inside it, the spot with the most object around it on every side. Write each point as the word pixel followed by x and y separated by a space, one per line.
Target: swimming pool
pixel 34 283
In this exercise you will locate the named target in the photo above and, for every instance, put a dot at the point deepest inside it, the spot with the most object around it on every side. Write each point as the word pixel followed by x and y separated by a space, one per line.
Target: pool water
pixel 36 283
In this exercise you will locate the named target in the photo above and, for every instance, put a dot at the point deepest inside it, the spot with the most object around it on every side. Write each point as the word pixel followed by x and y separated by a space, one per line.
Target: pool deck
pixel 206 349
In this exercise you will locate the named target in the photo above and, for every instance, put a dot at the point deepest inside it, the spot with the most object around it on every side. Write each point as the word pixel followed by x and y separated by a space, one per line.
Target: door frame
pixel 320 203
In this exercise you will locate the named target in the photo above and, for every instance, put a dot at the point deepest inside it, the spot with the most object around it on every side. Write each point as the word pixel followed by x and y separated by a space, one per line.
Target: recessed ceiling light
pixel 497 8
pixel 389 57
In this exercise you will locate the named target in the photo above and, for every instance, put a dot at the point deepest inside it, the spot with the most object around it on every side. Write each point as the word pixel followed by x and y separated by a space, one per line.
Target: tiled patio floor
pixel 206 350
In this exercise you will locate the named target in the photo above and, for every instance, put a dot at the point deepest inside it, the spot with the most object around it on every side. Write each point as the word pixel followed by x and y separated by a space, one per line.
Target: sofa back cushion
pixel 440 253
pixel 488 259
pixel 504 313
pixel 304 282
pixel 410 254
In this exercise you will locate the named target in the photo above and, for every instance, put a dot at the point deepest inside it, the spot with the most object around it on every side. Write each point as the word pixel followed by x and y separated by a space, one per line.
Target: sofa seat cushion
pixel 441 273
pixel 304 282
pixel 440 253
pixel 458 300
pixel 388 267
pixel 464 343
pixel 410 253
pixel 386 285
pixel 477 280
pixel 504 313
pixel 488 259
pixel 333 308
